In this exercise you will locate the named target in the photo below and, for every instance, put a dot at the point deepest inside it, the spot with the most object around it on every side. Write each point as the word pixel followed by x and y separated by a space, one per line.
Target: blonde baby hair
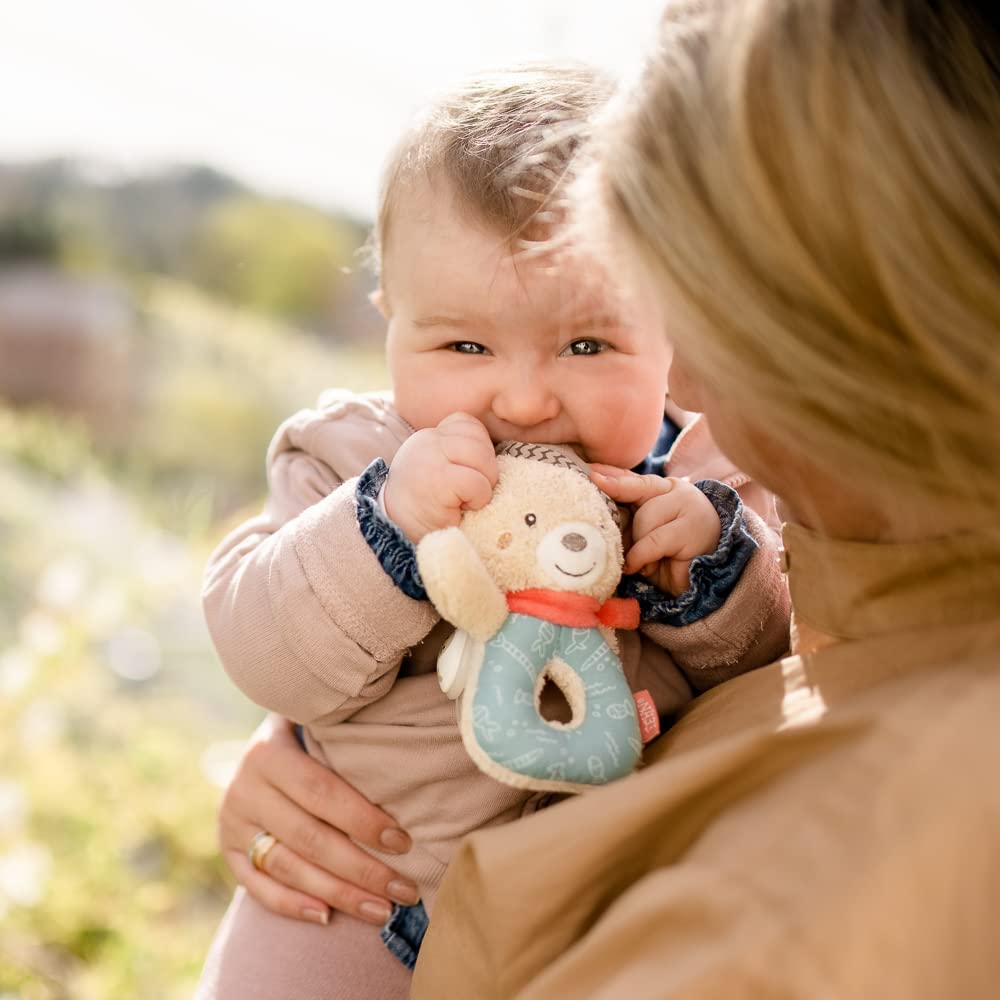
pixel 503 142
pixel 815 184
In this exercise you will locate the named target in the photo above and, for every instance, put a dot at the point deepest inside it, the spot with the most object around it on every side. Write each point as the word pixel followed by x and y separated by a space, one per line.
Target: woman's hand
pixel 315 816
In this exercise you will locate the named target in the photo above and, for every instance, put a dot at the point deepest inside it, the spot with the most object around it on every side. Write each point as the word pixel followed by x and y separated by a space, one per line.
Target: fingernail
pixel 403 892
pixel 376 911
pixel 395 840
pixel 317 916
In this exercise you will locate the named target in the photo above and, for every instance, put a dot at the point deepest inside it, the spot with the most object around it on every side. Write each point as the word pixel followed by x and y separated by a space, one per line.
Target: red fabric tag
pixel 649 718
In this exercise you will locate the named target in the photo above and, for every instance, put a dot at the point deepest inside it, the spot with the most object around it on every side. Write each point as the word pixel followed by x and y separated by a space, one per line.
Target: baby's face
pixel 536 353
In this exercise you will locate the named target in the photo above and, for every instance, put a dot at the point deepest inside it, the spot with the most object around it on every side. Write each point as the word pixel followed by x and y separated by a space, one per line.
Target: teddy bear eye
pixel 530 519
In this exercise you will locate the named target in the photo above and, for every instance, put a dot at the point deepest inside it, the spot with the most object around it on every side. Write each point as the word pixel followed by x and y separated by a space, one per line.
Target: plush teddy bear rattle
pixel 528 582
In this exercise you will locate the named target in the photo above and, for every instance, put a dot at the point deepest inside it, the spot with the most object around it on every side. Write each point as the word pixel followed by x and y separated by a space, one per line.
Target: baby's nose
pixel 525 400
pixel 574 542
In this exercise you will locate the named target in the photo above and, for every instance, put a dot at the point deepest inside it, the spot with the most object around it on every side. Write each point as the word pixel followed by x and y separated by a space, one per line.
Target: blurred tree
pixel 29 237
pixel 153 217
pixel 197 224
pixel 278 257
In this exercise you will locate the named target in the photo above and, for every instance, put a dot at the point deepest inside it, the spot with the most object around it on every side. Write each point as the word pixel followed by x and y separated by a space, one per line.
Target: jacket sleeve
pixel 304 618
pixel 748 630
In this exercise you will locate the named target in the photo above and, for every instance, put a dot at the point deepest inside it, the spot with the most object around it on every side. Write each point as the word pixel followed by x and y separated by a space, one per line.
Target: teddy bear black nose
pixel 574 542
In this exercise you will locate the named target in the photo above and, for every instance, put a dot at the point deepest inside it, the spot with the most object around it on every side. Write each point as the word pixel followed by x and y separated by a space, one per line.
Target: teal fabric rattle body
pixel 602 745
pixel 527 581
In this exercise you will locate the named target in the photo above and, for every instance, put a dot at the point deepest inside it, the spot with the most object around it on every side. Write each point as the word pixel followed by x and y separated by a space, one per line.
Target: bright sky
pixel 298 96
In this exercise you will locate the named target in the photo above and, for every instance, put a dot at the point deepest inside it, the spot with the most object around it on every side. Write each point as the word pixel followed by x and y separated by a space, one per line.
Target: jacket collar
pixel 695 453
pixel 856 590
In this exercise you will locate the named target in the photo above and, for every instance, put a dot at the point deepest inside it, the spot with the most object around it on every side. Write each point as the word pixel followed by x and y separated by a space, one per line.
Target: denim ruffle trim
pixel 404 932
pixel 394 551
pixel 713 576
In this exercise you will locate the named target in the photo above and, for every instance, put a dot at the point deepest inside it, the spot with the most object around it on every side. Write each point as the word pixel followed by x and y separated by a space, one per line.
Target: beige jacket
pixel 307 624
pixel 825 827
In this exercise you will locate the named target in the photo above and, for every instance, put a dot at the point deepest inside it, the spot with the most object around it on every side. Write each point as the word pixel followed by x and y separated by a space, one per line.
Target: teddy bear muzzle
pixel 572 555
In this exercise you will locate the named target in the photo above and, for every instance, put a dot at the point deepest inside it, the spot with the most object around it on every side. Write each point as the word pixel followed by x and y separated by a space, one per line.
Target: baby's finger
pixel 663 542
pixel 472 452
pixel 656 511
pixel 629 487
pixel 469 487
pixel 464 425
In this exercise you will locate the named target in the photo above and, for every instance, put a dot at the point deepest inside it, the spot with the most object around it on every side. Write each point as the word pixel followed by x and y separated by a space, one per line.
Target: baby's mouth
pixel 528 438
pixel 566 572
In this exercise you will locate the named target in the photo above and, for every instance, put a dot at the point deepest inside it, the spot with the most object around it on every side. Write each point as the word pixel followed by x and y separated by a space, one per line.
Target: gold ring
pixel 259 847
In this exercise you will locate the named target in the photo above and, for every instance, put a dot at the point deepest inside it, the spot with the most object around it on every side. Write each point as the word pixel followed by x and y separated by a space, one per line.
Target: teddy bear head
pixel 548 526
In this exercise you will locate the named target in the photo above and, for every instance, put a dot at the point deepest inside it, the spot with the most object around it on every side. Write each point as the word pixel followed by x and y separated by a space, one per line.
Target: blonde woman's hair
pixel 503 142
pixel 816 184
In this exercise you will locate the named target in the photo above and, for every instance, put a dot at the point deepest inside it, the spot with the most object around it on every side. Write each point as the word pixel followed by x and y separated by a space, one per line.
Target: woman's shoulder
pixel 844 801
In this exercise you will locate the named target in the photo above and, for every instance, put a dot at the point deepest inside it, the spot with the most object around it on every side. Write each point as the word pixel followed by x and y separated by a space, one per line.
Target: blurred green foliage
pixel 192 223
pixel 216 382
pixel 29 237
pixel 276 257
pixel 109 883
pixel 116 723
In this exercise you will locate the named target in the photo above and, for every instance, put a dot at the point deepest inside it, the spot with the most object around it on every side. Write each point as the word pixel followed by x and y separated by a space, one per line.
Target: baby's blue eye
pixel 588 345
pixel 467 347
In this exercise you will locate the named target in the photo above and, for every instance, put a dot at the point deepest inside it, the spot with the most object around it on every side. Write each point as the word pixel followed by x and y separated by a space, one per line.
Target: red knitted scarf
pixel 575 610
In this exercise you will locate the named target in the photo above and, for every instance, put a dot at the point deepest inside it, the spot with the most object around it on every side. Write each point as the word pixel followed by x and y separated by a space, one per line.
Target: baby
pixel 311 606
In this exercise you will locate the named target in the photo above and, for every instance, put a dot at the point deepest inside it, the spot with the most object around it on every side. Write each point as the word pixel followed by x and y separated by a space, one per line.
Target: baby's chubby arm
pixel 304 618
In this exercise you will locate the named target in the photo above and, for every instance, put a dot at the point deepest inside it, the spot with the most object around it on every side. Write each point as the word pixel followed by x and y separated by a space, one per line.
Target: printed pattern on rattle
pixel 601 742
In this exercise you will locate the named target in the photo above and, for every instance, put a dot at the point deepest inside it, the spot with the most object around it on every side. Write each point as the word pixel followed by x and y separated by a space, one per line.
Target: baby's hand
pixel 673 523
pixel 438 473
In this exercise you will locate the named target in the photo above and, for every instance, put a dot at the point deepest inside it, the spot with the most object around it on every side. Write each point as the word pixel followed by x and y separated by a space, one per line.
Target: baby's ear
pixel 381 303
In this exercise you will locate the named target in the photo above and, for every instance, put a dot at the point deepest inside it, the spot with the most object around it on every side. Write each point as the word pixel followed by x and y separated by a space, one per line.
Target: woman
pixel 809 189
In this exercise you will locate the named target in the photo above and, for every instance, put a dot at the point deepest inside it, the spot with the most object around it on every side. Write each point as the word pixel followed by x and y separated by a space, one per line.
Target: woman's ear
pixel 381 303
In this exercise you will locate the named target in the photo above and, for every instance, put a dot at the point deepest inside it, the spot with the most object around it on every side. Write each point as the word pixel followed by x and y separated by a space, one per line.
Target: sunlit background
pixel 183 191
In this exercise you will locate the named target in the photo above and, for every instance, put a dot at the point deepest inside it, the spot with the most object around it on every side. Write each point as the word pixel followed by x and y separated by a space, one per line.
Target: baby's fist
pixel 673 523
pixel 438 473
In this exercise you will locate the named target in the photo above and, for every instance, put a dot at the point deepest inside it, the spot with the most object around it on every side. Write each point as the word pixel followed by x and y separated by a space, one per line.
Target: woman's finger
pixel 276 887
pixel 313 814
pixel 328 797
pixel 273 895
pixel 322 847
